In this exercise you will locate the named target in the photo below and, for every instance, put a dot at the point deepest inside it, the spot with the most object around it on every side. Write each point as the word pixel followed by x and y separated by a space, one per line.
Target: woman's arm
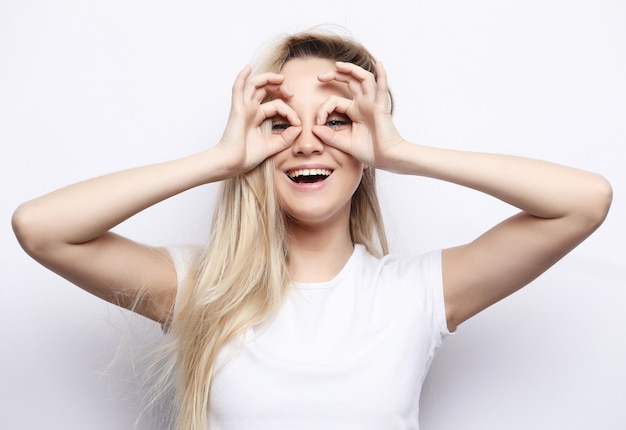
pixel 68 230
pixel 560 206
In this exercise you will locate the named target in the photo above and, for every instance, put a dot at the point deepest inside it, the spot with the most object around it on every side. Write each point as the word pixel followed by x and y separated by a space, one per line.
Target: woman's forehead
pixel 307 63
pixel 301 76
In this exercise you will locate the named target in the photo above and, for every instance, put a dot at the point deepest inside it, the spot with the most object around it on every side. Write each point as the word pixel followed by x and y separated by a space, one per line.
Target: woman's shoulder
pixel 185 258
pixel 400 262
pixel 413 272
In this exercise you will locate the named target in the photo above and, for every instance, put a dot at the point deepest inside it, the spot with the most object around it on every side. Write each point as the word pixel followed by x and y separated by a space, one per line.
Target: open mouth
pixel 308 176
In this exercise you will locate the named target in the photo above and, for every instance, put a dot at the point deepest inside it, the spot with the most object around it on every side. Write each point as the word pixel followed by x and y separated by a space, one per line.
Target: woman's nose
pixel 307 143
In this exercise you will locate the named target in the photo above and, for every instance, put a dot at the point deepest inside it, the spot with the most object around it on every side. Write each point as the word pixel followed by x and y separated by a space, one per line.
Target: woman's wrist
pixel 212 165
pixel 404 158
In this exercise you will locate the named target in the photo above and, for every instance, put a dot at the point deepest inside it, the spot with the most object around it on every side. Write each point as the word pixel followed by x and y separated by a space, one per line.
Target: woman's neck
pixel 318 254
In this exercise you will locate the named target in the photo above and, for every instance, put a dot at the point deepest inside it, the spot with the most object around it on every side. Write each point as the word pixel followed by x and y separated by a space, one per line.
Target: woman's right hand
pixel 244 143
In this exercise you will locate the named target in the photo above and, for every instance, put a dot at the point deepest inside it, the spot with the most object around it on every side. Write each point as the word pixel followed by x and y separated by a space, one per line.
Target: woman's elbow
pixel 597 201
pixel 28 229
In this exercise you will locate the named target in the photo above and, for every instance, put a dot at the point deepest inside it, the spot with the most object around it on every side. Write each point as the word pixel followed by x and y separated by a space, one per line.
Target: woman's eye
pixel 279 127
pixel 337 122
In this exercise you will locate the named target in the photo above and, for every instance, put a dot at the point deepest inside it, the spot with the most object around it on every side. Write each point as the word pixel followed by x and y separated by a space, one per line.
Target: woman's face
pixel 314 182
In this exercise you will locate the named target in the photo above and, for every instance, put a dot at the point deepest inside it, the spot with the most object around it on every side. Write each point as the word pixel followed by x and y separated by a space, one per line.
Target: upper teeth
pixel 309 172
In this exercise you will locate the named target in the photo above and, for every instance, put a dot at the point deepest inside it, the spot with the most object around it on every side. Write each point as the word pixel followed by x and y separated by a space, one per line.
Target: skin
pixel 320 212
pixel 68 230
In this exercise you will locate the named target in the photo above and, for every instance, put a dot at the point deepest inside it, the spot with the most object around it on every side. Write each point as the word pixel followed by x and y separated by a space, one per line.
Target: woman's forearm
pixel 83 211
pixel 537 187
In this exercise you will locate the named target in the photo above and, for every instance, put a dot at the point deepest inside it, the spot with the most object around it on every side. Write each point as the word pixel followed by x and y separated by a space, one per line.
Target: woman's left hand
pixel 374 137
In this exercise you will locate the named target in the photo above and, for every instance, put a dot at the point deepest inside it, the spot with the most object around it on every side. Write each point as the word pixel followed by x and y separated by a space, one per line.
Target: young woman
pixel 294 316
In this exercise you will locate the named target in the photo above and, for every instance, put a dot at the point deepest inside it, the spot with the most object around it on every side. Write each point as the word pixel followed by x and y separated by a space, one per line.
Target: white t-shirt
pixel 351 353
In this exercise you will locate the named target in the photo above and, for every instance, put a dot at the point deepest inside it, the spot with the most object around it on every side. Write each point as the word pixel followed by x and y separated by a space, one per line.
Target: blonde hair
pixel 242 276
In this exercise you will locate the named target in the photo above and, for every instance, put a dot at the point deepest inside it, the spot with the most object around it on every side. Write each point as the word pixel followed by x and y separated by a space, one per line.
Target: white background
pixel 92 87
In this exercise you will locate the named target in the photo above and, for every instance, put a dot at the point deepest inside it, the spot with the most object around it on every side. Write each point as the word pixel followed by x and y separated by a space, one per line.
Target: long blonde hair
pixel 242 276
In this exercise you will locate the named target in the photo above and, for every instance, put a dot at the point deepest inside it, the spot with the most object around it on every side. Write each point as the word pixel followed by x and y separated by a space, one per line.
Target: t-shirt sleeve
pixel 184 259
pixel 434 304
pixel 421 279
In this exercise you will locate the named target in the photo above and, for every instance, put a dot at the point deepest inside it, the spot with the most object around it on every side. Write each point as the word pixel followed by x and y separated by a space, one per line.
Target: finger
pixel 259 95
pixel 331 138
pixel 354 86
pixel 260 82
pixel 240 83
pixel 271 91
pixel 278 107
pixel 282 141
pixel 285 91
pixel 365 79
pixel 333 104
pixel 382 90
pixel 279 142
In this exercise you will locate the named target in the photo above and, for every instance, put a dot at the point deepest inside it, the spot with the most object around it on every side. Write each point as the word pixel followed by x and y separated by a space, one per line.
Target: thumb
pixel 331 138
pixel 285 139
